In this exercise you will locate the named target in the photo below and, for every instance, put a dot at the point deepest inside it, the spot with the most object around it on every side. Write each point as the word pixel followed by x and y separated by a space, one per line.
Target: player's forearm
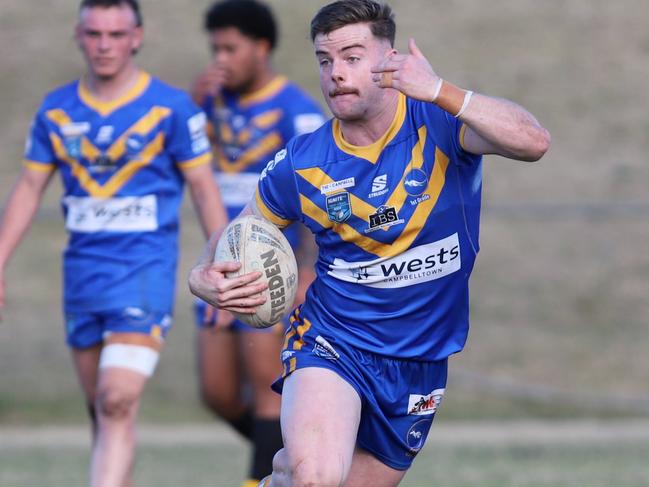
pixel 17 217
pixel 506 128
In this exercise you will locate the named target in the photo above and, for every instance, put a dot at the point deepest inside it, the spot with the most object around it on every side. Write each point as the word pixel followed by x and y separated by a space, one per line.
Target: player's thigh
pixel 86 364
pixel 320 416
pixel 219 368
pixel 260 353
pixel 368 470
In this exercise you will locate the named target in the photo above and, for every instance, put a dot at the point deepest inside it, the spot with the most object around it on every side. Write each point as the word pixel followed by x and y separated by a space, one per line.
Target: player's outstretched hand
pixel 410 73
pixel 239 294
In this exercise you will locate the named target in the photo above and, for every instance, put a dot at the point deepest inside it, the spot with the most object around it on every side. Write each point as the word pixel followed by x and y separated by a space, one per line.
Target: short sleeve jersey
pixel 249 129
pixel 396 224
pixel 120 164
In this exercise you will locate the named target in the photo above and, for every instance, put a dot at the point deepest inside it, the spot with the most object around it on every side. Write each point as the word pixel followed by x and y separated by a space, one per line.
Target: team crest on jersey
pixel 415 182
pixel 339 207
pixel 385 216
pixel 72 134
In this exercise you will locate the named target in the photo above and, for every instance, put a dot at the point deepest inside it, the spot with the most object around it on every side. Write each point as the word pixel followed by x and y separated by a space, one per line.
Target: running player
pixel 123 143
pixel 391 189
pixel 253 112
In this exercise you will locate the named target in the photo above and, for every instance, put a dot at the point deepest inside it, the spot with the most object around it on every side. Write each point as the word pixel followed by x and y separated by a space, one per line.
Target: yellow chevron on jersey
pixel 121 164
pixel 396 225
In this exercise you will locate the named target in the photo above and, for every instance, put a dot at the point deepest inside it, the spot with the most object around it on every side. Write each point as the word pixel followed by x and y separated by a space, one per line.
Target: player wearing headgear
pixel 252 112
pixel 123 143
pixel 391 190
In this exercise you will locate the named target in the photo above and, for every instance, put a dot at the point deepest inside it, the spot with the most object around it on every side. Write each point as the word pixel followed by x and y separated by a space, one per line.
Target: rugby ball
pixel 261 246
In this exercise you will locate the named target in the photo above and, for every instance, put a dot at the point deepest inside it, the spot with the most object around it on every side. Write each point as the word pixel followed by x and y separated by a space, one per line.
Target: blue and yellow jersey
pixel 249 129
pixel 121 166
pixel 396 224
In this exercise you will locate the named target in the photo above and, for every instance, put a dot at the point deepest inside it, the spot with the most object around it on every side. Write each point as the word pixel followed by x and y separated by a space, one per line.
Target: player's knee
pixel 314 472
pixel 115 404
pixel 225 407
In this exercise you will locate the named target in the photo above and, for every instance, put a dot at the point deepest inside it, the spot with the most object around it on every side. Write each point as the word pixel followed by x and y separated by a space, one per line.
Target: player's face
pixel 237 57
pixel 108 38
pixel 346 56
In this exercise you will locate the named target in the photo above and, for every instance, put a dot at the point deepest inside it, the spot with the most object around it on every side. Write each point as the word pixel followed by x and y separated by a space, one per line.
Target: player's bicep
pixel 474 143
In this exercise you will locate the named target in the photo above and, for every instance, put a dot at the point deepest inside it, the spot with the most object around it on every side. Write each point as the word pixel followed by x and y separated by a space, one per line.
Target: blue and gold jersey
pixel 121 166
pixel 249 129
pixel 396 224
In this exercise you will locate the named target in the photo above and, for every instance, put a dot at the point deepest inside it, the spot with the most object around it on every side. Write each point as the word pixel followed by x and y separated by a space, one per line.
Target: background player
pixel 123 143
pixel 362 380
pixel 253 112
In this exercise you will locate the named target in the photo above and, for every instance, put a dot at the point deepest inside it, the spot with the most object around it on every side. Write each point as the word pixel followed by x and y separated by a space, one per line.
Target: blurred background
pixel 560 325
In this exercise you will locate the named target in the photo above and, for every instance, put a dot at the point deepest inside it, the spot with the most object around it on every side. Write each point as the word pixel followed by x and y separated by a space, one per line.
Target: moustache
pixel 342 91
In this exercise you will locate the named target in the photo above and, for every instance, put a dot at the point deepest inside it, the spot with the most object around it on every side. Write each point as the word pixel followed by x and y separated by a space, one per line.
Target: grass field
pixel 559 293
pixel 518 454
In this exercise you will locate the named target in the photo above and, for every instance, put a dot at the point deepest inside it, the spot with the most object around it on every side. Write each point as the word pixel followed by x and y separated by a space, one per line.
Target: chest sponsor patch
pixel 337 185
pixel 416 265
pixel 125 214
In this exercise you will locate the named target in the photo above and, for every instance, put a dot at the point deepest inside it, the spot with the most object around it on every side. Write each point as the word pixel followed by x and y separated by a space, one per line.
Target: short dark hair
pixel 133 4
pixel 254 19
pixel 345 12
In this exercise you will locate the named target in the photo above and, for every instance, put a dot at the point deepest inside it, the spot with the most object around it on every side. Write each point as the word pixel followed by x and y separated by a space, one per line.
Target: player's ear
pixel 138 36
pixel 263 48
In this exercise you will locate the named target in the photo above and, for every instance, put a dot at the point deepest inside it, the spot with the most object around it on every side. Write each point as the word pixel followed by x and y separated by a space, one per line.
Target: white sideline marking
pixel 490 433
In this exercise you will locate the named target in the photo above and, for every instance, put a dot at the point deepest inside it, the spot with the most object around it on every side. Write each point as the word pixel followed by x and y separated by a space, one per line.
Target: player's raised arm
pixel 494 125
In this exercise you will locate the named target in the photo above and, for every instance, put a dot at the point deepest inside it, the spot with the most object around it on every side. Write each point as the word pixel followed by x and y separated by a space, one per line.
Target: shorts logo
pixel 385 216
pixel 323 348
pixel 416 436
pixel 419 405
pixel 415 182
pixel 287 354
pixel 339 207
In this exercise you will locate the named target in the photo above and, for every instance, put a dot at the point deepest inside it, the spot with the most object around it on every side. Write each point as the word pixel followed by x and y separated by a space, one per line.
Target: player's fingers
pixel 226 266
pixel 414 50
pixel 251 290
pixel 385 79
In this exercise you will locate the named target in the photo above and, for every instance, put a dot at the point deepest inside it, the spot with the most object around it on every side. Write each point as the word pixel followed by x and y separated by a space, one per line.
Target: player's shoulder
pixel 313 148
pixel 61 95
pixel 167 94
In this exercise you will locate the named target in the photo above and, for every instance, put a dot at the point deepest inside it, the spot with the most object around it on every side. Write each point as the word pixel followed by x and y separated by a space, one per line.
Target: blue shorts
pixel 200 308
pixel 399 397
pixel 84 330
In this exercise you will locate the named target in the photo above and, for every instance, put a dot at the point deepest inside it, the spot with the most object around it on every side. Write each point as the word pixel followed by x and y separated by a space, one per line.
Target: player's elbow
pixel 537 145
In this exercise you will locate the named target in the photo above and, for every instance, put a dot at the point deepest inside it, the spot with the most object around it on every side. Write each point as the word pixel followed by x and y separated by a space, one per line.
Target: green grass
pixel 528 464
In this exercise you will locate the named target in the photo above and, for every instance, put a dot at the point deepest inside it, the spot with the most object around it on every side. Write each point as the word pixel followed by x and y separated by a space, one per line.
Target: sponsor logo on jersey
pixel 134 144
pixel 102 163
pixel 416 436
pixel 124 214
pixel 385 216
pixel 323 349
pixel 196 125
pixel 415 182
pixel 279 157
pixel 379 186
pixel 337 185
pixel 339 207
pixel 414 266
pixel 104 134
pixel 424 405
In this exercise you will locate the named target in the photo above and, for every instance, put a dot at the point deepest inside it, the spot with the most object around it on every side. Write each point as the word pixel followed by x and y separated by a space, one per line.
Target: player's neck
pixel 371 128
pixel 260 81
pixel 111 88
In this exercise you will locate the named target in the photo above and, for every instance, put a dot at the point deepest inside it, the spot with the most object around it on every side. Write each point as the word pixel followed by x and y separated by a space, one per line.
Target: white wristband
pixel 467 98
pixel 438 88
